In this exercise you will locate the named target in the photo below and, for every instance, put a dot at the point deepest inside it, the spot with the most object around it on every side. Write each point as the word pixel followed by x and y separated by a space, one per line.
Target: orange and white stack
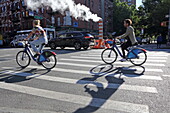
pixel 100 44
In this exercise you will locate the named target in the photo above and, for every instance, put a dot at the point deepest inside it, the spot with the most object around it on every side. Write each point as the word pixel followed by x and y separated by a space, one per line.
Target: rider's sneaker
pixel 122 60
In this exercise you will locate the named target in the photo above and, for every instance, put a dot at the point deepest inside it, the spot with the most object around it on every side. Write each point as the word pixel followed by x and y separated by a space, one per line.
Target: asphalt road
pixel 82 83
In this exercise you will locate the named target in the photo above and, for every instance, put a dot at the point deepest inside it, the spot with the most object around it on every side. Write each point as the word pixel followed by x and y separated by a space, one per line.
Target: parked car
pixel 74 39
pixel 20 44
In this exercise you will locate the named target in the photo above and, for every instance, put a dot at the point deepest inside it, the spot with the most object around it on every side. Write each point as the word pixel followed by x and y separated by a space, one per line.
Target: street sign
pixel 75 24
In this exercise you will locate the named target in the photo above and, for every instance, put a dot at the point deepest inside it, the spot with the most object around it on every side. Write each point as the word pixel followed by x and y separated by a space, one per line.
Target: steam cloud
pixel 76 10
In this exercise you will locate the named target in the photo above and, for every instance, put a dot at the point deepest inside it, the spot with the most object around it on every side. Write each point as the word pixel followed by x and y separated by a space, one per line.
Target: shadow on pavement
pixel 104 91
pixel 17 75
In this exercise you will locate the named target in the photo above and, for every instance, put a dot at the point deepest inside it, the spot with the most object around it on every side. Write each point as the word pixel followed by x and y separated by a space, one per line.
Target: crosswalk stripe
pixel 91 65
pixel 129 76
pixel 19 110
pixel 78 99
pixel 99 56
pixel 5 55
pixel 78 60
pixel 148 60
pixel 98 84
pixel 166 75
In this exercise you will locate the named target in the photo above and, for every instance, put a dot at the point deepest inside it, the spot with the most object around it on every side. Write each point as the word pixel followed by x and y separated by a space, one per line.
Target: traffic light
pixel 164 24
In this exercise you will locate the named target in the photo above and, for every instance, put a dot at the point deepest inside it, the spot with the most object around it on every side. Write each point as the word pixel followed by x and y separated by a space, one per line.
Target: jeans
pixel 39 42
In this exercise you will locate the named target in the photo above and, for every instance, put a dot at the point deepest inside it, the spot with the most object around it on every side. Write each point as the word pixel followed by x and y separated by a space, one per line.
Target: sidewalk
pixel 154 46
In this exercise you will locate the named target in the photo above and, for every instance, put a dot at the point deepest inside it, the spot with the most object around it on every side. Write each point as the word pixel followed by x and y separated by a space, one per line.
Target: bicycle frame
pixel 29 51
pixel 117 50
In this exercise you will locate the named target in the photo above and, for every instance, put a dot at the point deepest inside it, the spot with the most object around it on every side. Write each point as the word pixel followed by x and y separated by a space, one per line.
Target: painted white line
pixel 122 63
pixel 6 56
pixel 90 65
pixel 129 76
pixel 98 84
pixel 166 75
pixel 99 55
pixel 100 58
pixel 77 99
pixel 18 110
pixel 148 54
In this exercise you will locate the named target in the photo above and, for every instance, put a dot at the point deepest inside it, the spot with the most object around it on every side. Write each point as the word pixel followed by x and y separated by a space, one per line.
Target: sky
pixel 138 3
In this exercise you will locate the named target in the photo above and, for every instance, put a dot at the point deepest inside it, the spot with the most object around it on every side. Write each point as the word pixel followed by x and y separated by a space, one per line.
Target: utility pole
pixel 169 27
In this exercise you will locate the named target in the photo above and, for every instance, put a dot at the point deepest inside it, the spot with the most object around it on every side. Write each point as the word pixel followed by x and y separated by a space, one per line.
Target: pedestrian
pixel 159 41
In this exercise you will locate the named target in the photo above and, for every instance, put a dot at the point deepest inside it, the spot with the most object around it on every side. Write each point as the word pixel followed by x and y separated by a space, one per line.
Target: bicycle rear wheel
pixel 109 56
pixel 23 59
pixel 51 60
pixel 142 57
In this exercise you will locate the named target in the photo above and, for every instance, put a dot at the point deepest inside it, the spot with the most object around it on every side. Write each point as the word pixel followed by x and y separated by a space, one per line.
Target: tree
pixel 121 11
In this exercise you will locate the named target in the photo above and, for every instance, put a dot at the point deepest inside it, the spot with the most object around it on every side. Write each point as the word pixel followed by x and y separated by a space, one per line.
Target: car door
pixel 76 37
pixel 60 41
pixel 69 39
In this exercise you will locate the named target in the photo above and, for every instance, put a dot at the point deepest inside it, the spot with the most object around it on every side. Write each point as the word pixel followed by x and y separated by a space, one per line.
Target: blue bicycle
pixel 47 58
pixel 135 55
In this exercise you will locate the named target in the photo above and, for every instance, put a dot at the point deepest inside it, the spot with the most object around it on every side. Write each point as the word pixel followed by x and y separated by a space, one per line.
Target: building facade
pixel 14 17
pixel 129 2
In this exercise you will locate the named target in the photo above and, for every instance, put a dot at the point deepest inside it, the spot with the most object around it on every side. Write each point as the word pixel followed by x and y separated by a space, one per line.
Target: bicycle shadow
pixel 19 75
pixel 104 90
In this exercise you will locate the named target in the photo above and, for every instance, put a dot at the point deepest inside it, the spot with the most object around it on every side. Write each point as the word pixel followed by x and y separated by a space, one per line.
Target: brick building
pixel 14 17
pixel 129 2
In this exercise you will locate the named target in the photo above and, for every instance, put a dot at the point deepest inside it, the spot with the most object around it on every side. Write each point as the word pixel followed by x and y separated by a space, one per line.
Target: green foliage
pixel 149 16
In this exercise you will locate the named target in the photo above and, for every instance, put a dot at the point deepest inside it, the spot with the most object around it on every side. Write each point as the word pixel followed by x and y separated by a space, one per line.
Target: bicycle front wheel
pixel 50 62
pixel 109 56
pixel 142 57
pixel 23 59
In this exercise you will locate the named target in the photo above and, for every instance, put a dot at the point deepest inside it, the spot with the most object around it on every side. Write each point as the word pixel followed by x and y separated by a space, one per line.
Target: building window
pixel 85 2
pixel 129 0
pixel 89 3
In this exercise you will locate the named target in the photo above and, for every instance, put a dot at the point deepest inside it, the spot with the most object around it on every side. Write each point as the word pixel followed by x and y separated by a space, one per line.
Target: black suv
pixel 72 39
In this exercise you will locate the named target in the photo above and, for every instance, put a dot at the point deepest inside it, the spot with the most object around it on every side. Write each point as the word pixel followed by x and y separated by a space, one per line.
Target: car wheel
pixel 62 47
pixel 85 48
pixel 77 46
pixel 52 46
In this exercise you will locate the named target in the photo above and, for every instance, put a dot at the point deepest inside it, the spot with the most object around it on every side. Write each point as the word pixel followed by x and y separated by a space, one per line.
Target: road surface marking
pixel 166 75
pixel 77 99
pixel 19 110
pixel 129 76
pixel 99 56
pixel 109 58
pixel 92 83
pixel 80 60
pixel 6 55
